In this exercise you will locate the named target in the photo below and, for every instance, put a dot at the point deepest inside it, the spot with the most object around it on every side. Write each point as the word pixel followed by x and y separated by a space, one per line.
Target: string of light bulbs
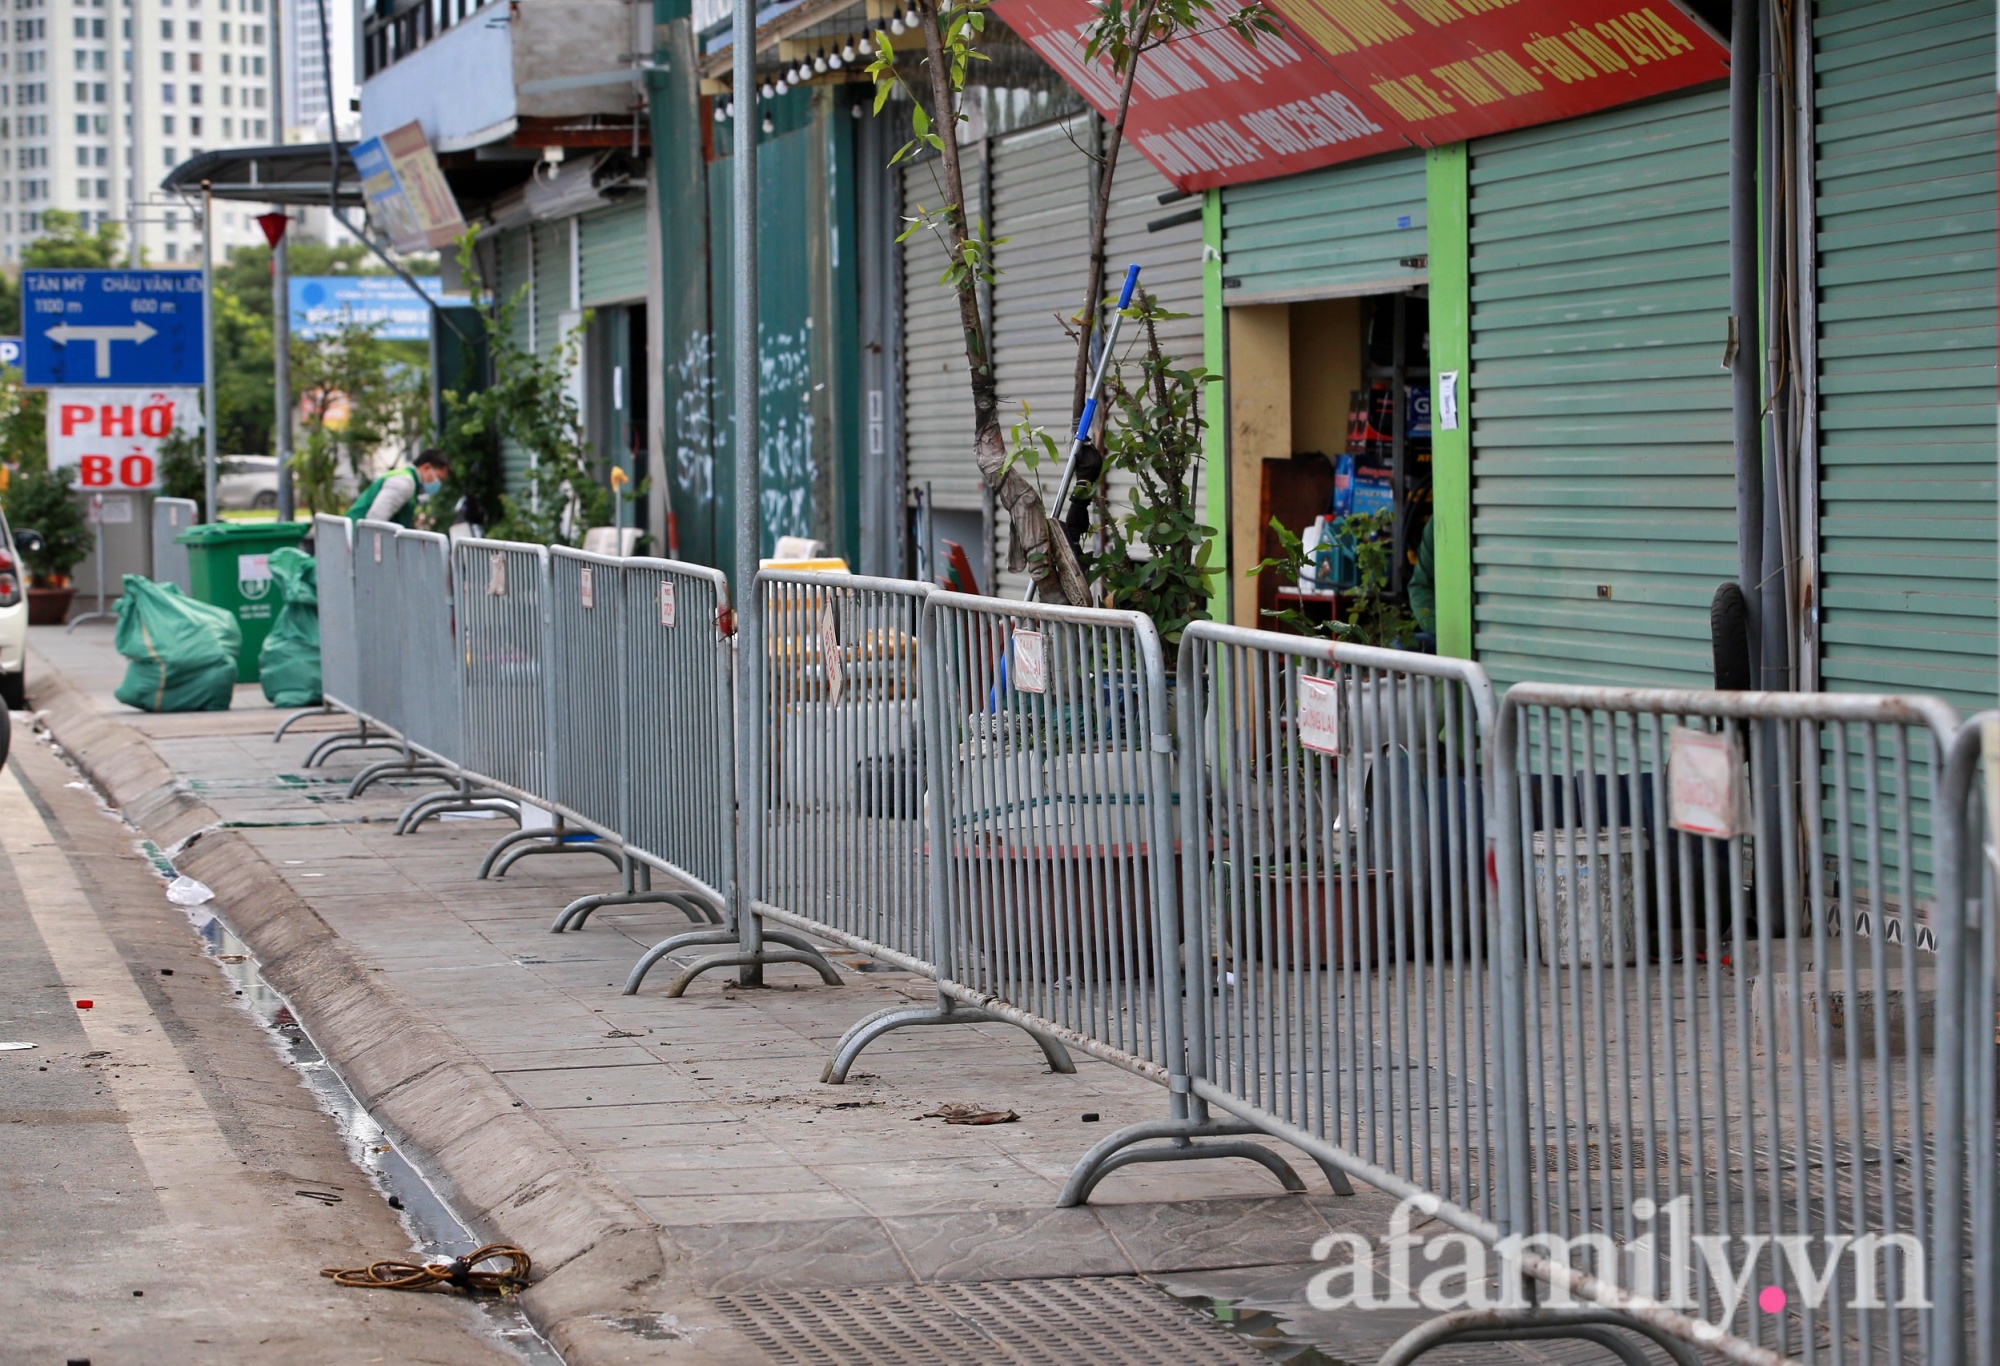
pixel 821 62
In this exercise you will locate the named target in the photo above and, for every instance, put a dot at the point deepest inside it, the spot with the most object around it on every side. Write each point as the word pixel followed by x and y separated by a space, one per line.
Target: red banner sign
pixel 1350 78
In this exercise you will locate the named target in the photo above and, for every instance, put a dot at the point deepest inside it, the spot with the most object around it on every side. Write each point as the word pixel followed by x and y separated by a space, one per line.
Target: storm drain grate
pixel 1099 1319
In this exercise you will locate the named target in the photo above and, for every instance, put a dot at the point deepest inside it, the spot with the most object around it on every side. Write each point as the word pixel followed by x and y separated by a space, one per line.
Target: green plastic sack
pixel 289 663
pixel 183 652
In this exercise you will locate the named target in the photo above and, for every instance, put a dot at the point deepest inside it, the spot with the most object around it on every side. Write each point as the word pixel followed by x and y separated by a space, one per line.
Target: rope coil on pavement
pixel 456 1273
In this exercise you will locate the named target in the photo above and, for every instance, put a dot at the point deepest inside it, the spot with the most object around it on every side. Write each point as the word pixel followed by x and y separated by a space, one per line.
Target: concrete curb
pixel 599 1260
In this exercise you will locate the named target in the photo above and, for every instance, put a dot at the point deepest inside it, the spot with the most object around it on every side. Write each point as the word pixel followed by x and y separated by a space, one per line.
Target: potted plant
pixel 40 500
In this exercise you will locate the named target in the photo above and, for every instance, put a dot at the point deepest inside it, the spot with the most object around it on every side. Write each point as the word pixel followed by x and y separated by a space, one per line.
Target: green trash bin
pixel 229 566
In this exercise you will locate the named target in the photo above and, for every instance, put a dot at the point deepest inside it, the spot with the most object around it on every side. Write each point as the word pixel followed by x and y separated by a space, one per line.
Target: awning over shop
pixel 293 174
pixel 1351 78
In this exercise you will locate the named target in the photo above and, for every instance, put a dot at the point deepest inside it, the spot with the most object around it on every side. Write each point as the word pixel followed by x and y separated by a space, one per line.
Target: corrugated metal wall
pixel 1341 231
pixel 552 282
pixel 1042 189
pixel 513 290
pixel 614 253
pixel 937 404
pixel 1905 188
pixel 1603 498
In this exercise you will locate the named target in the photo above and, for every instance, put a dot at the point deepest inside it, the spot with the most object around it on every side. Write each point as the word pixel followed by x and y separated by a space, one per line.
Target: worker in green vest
pixel 392 495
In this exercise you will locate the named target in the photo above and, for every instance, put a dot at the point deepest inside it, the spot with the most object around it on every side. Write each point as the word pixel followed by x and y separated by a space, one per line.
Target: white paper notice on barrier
pixel 666 602
pixel 829 651
pixel 583 593
pixel 1705 783
pixel 378 546
pixel 1031 662
pixel 496 576
pixel 1319 714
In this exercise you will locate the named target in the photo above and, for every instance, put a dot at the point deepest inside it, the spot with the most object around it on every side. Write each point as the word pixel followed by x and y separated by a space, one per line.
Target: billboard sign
pixel 406 192
pixel 113 436
pixel 1351 78
pixel 323 304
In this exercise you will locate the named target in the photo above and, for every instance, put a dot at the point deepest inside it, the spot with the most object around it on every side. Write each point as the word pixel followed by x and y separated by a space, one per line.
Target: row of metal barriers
pixel 1670 1014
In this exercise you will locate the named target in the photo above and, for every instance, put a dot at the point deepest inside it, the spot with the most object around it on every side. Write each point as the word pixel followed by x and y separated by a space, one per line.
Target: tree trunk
pixel 1035 545
pixel 1100 213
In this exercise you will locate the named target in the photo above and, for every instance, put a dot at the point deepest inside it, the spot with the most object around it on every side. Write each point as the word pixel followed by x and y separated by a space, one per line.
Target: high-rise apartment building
pixel 99 99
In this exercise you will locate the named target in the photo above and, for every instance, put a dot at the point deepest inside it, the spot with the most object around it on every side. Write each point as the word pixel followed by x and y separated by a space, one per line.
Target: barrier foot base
pixel 1543 1323
pixel 396 768
pixel 346 740
pixel 794 950
pixel 872 1027
pixel 301 715
pixel 572 916
pixel 560 844
pixel 1118 1150
pixel 465 799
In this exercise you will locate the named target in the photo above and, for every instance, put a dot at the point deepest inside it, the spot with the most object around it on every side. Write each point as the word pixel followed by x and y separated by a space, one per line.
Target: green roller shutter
pixel 1339 232
pixel 1905 186
pixel 614 253
pixel 1603 492
pixel 552 281
pixel 515 294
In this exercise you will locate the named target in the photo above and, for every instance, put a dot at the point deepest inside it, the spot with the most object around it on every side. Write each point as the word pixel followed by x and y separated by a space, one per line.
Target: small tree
pixel 355 373
pixel 65 244
pixel 530 404
pixel 1123 34
pixel 24 423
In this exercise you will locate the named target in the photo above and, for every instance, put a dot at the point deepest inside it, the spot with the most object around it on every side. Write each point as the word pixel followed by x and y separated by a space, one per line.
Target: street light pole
pixel 208 349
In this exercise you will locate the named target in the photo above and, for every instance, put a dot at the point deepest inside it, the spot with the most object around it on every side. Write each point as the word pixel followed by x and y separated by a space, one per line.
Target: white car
pixel 13 627
pixel 247 481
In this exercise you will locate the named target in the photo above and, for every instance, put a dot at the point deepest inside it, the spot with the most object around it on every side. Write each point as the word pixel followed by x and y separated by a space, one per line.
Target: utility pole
pixel 275 225
pixel 208 349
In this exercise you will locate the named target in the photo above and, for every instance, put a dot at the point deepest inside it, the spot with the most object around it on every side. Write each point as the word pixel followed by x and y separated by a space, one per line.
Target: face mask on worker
pixel 431 486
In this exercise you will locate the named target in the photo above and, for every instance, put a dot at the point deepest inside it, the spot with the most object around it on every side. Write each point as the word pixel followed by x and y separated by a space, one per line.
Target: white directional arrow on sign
pixel 62 334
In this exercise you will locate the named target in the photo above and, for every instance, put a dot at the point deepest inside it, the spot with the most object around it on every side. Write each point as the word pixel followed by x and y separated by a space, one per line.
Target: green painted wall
pixel 1215 403
pixel 1451 352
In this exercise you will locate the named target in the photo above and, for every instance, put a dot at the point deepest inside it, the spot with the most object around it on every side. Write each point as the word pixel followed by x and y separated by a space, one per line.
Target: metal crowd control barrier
pixel 340 661
pixel 384 593
pixel 1335 906
pixel 836 746
pixel 504 599
pixel 1719 916
pixel 675 735
pixel 1967 1288
pixel 842 750
pixel 430 681
pixel 172 516
pixel 1052 841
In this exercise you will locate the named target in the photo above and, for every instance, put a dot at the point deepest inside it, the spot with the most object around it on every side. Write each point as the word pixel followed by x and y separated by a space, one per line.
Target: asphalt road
pixel 169 1189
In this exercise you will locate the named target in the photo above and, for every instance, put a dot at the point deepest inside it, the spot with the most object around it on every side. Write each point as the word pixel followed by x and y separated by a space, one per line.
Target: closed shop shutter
pixel 1603 498
pixel 1906 271
pixel 513 289
pixel 1342 231
pixel 1041 211
pixel 614 253
pixel 937 404
pixel 551 293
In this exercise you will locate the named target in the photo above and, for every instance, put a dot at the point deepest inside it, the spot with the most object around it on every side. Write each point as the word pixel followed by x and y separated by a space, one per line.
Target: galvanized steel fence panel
pixel 843 846
pixel 1051 822
pixel 433 696
pixel 339 660
pixel 378 640
pixel 679 739
pixel 503 602
pixel 1336 908
pixel 589 765
pixel 1731 1019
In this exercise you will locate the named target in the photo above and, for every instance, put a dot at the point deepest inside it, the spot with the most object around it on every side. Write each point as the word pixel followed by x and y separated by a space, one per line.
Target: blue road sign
pixel 112 327
pixel 10 352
